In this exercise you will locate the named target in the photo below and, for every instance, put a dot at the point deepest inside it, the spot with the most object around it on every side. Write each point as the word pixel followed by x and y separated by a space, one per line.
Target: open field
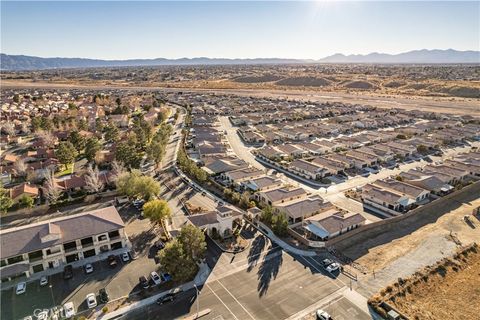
pixel 447 290
pixel 459 106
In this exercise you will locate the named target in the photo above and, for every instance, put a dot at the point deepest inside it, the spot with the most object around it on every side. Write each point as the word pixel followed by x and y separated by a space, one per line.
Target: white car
pixel 43 281
pixel 21 288
pixel 333 267
pixel 88 268
pixel 323 315
pixel 125 257
pixel 91 300
pixel 155 278
pixel 68 310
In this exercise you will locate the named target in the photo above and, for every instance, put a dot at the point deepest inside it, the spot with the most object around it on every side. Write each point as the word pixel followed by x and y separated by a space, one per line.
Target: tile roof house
pixel 24 189
pixel 280 195
pixel 331 223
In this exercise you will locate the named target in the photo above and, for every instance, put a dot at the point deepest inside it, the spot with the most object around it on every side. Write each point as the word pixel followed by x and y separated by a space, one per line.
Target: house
pixel 262 183
pixel 298 209
pixel 432 183
pixel 211 149
pixel 51 244
pixel 120 120
pixel 218 222
pixel 416 194
pixel 279 195
pixel 235 178
pixel 386 201
pixel 291 150
pixel 24 189
pixel 307 169
pixel 456 174
pixel 220 165
pixel 331 223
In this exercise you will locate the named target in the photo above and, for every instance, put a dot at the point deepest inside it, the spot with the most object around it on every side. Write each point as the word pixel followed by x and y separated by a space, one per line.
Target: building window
pixel 53 250
pixel 89 253
pixel 3 263
pixel 15 259
pixel 104 248
pixel 35 256
pixel 72 258
pixel 114 234
pixel 116 245
pixel 87 242
pixel 102 237
pixel 70 246
pixel 37 268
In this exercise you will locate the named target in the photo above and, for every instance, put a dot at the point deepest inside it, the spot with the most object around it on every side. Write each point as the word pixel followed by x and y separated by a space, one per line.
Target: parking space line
pixel 216 295
pixel 241 305
pixel 319 271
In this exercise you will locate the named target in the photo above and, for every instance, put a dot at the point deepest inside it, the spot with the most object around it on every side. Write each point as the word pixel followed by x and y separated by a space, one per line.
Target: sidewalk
pixel 285 246
pixel 199 280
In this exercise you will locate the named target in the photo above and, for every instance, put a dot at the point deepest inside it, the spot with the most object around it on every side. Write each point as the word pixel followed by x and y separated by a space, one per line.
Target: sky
pixel 228 29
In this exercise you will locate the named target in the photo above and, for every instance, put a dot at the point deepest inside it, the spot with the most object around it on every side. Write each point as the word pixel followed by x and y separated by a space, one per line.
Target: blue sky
pixel 127 29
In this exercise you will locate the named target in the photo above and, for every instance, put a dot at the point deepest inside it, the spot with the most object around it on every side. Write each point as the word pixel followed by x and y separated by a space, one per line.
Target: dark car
pixel 159 244
pixel 103 295
pixel 143 282
pixel 112 261
pixel 169 297
pixel 68 272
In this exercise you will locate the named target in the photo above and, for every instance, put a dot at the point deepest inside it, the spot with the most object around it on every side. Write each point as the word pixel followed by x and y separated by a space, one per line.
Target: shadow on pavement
pixel 268 271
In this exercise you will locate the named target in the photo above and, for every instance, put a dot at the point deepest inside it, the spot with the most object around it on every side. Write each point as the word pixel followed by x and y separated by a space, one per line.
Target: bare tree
pixel 50 188
pixel 25 128
pixel 8 128
pixel 92 180
pixel 117 170
pixel 20 167
pixel 47 137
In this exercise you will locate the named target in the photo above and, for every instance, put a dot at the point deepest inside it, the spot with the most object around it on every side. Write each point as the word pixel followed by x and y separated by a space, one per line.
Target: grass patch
pixel 68 170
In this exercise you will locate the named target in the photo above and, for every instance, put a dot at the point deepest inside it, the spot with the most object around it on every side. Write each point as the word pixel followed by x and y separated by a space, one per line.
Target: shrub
pixel 105 309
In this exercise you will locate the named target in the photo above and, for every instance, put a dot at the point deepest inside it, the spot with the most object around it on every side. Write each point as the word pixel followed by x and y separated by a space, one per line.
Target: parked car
pixel 67 272
pixel 333 267
pixel 323 315
pixel 327 262
pixel 159 244
pixel 169 297
pixel 88 268
pixel 112 261
pixel 138 203
pixel 125 257
pixel 43 281
pixel 155 278
pixel 165 277
pixel 103 295
pixel 91 300
pixel 143 282
pixel 21 288
pixel 68 310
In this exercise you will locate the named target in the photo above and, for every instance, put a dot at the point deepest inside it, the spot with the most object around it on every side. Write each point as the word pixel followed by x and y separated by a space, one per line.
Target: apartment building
pixel 52 244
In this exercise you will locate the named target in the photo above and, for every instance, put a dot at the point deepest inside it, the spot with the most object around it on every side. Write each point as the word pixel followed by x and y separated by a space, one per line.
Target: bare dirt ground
pixel 433 104
pixel 405 255
pixel 447 290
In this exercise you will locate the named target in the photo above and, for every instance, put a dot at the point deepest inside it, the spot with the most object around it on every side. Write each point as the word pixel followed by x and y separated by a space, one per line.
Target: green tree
pixel 77 140
pixel 92 146
pixel 26 201
pixel 5 201
pixel 157 210
pixel 175 261
pixel 193 242
pixel 267 215
pixel 72 106
pixel 98 125
pixel 111 132
pixel 156 151
pixel 422 149
pixel 36 124
pixel 66 153
pixel 245 200
pixel 82 124
pixel 136 185
pixel 128 155
pixel 162 116
pixel 280 224
pixel 46 124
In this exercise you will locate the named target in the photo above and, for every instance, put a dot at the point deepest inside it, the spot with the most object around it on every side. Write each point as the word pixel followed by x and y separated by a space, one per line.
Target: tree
pixel 157 210
pixel 156 151
pixel 72 106
pixel 20 167
pixel 5 201
pixel 82 124
pixel 176 262
pixel 116 171
pixel 99 125
pixel 92 180
pixel 134 184
pixel 162 116
pixel 66 153
pixel 267 215
pixel 193 242
pixel 422 149
pixel 26 201
pixel 280 225
pixel 92 146
pixel 77 140
pixel 128 155
pixel 143 131
pixel 245 200
pixel 36 123
pixel 111 132
pixel 8 128
pixel 47 137
pixel 50 188
pixel 46 124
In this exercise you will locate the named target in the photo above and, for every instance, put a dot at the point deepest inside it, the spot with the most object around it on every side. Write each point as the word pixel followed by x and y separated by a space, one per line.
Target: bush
pixel 105 309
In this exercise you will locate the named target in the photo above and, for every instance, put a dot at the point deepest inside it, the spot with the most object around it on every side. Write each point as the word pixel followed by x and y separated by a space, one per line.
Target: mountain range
pixel 22 62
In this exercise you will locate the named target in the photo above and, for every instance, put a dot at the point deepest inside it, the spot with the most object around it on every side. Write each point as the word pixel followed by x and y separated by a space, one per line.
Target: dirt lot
pixel 447 290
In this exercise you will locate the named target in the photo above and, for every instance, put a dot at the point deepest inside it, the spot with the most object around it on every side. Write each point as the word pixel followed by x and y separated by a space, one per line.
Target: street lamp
pixel 197 292
pixel 51 292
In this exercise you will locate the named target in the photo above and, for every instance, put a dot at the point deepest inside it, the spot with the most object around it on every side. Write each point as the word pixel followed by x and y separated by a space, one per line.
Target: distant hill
pixel 416 56
pixel 21 62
